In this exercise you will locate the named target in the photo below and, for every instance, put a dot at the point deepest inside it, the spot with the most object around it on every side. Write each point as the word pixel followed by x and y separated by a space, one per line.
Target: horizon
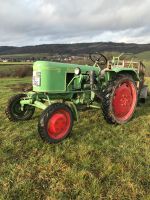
pixel 78 43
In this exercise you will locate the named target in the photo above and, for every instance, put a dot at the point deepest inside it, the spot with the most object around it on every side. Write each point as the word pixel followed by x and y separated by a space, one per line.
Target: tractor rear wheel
pixel 119 100
pixel 14 112
pixel 55 123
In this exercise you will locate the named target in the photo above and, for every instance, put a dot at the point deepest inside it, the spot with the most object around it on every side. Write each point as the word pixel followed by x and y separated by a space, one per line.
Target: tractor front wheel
pixel 119 100
pixel 14 111
pixel 55 123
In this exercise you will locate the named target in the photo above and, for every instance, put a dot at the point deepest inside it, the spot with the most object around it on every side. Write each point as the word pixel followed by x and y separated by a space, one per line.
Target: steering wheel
pixel 99 59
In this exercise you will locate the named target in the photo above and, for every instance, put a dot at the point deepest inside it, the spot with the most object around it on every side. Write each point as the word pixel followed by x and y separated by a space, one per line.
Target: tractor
pixel 59 89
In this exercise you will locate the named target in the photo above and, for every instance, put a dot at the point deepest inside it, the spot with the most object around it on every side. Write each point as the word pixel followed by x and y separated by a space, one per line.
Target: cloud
pixel 30 22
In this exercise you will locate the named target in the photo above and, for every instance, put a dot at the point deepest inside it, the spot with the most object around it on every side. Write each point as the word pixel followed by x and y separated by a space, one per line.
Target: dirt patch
pixel 24 87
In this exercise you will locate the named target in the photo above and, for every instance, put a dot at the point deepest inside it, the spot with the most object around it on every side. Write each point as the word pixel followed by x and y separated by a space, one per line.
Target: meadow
pixel 15 69
pixel 98 160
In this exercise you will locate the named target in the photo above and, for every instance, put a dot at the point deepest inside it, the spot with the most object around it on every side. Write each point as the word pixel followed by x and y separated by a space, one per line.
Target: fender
pixel 74 109
pixel 110 74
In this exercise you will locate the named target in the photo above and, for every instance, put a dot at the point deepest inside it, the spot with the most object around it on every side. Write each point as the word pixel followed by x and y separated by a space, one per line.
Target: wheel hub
pixel 124 101
pixel 59 124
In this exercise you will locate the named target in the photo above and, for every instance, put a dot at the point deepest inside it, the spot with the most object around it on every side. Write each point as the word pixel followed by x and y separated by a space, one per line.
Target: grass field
pixel 15 69
pixel 98 161
pixel 13 65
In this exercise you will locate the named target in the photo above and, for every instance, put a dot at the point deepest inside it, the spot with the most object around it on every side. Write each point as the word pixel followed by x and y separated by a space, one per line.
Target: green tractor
pixel 59 89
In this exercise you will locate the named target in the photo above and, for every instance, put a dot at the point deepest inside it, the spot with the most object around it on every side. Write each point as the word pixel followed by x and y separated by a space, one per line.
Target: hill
pixel 76 49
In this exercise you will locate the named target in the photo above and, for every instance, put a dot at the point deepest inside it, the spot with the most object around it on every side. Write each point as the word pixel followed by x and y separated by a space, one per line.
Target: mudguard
pixel 110 74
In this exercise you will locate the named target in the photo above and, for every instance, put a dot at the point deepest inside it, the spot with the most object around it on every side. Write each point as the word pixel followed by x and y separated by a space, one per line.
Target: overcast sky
pixel 31 22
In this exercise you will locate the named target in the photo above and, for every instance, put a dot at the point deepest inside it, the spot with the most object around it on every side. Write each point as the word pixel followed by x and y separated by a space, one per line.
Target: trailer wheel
pixel 119 100
pixel 55 123
pixel 13 110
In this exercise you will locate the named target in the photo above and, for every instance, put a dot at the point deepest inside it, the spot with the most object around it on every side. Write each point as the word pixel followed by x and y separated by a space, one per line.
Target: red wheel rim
pixel 59 124
pixel 124 101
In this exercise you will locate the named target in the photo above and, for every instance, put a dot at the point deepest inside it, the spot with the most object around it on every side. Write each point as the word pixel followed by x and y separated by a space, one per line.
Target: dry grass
pixel 15 71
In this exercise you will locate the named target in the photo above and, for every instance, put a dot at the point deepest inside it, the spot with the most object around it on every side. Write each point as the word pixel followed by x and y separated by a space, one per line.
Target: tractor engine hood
pixel 51 76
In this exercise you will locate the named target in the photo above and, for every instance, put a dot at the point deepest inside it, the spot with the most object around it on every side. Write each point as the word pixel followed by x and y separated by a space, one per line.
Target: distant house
pixel 68 59
pixel 4 61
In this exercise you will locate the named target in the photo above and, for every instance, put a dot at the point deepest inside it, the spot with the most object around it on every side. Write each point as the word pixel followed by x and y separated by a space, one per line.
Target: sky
pixel 33 22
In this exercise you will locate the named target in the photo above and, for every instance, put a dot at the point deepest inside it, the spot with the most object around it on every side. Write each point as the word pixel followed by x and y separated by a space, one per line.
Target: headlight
pixel 77 71
pixel 36 79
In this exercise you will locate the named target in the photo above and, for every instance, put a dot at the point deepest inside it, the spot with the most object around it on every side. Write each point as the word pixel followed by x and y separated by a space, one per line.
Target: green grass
pixel 15 63
pixel 145 55
pixel 5 68
pixel 98 160
pixel 24 55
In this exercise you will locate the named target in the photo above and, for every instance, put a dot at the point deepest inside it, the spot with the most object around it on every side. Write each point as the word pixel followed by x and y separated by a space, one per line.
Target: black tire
pixel 108 96
pixel 45 118
pixel 13 111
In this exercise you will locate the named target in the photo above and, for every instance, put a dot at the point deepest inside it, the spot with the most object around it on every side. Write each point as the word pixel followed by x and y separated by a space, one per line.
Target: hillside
pixel 76 49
